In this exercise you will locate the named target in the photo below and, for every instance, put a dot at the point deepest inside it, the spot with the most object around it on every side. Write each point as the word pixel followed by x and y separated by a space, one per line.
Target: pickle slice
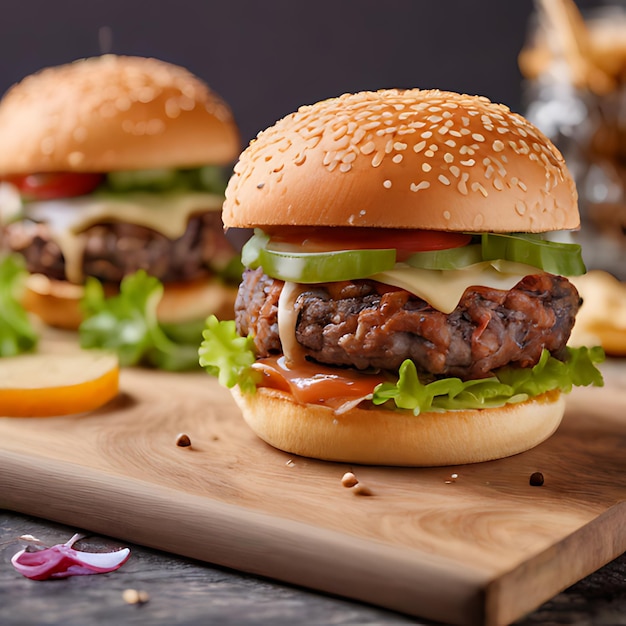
pixel 551 256
pixel 450 259
pixel 325 267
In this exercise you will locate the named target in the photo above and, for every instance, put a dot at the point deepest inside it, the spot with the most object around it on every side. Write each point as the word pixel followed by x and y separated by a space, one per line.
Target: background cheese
pixel 167 214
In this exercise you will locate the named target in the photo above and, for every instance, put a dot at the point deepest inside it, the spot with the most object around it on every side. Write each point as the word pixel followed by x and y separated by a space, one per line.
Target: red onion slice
pixel 62 560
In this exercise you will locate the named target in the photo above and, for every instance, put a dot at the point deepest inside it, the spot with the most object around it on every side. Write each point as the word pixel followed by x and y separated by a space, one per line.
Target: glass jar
pixel 581 106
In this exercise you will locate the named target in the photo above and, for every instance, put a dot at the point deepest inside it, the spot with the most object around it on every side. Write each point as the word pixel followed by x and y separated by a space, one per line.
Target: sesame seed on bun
pixel 403 159
pixel 112 113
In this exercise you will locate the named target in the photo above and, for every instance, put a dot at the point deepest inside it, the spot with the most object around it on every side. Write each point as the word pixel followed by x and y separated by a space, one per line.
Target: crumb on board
pixel 361 490
pixel 350 481
pixel 183 440
pixel 452 479
pixel 134 596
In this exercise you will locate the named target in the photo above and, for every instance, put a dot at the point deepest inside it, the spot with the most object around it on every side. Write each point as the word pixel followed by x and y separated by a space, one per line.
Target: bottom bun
pixel 57 303
pixel 384 437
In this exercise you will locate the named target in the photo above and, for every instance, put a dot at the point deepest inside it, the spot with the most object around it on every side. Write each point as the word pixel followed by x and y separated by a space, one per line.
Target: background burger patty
pixel 113 250
pixel 366 324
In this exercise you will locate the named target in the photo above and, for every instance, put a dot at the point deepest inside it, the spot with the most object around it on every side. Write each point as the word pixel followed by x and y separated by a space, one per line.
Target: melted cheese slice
pixel 443 289
pixel 167 214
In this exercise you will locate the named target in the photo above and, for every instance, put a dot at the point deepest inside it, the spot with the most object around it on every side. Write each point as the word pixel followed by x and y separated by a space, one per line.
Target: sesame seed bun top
pixel 113 113
pixel 403 159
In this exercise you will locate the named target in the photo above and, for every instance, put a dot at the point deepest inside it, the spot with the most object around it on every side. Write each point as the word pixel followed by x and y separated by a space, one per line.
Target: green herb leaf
pixel 229 356
pixel 127 324
pixel 17 334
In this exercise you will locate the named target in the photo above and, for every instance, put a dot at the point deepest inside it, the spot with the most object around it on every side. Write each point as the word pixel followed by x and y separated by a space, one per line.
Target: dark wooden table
pixel 183 591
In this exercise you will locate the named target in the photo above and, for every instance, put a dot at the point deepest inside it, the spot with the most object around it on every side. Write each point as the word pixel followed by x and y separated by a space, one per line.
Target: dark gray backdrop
pixel 267 57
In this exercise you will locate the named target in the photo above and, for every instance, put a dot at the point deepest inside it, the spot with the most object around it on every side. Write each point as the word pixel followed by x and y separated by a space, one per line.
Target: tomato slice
pixel 52 185
pixel 323 238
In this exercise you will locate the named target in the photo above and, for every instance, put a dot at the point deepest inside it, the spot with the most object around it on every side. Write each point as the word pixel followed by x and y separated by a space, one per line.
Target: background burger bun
pixel 113 113
pixel 403 159
pixel 384 437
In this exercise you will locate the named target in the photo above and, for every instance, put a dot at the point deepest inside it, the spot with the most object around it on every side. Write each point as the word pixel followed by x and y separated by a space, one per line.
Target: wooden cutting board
pixel 469 544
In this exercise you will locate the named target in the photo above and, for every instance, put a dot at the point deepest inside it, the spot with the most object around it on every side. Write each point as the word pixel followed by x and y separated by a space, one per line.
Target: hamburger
pixel 111 165
pixel 403 303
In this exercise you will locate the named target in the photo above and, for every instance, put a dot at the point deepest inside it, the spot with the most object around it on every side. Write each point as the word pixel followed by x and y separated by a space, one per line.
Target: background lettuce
pixel 128 325
pixel 17 334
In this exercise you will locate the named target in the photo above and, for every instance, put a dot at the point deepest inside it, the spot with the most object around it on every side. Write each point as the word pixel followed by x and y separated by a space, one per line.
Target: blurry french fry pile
pixel 575 70
pixel 602 317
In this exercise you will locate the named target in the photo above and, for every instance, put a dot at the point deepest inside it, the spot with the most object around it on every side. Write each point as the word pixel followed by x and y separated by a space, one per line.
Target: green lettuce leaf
pixel 509 385
pixel 127 324
pixel 445 394
pixel 17 334
pixel 209 178
pixel 228 356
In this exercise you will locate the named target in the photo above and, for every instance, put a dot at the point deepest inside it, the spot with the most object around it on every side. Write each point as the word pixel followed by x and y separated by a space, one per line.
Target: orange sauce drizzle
pixel 311 383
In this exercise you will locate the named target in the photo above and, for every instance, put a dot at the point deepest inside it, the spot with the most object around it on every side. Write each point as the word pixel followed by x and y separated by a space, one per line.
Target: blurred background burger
pixel 115 164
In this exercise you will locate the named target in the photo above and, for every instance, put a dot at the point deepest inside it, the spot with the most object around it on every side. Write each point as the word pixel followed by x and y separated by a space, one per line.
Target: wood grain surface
pixel 187 592
pixel 465 545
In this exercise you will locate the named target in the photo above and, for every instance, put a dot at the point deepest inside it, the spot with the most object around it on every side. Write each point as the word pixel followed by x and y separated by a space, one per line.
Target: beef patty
pixel 366 324
pixel 113 250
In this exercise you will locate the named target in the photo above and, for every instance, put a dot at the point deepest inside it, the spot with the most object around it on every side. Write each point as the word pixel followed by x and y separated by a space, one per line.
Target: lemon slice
pixel 44 385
